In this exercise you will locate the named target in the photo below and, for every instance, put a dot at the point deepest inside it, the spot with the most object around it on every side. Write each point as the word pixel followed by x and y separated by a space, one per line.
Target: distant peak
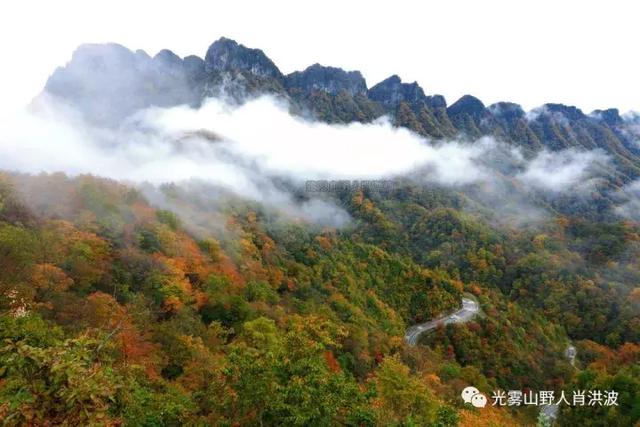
pixel 142 54
pixel 507 110
pixel 437 101
pixel 100 48
pixel 193 65
pixel 393 79
pixel 329 79
pixel 227 55
pixel 103 55
pixel 108 82
pixel 167 57
pixel 610 116
pixel 567 111
pixel 468 104
pixel 391 91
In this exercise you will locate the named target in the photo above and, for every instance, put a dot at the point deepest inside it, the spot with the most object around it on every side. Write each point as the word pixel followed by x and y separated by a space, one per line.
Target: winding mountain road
pixel 468 311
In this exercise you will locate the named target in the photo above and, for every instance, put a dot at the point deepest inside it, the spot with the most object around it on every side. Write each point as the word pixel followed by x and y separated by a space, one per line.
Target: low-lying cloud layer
pixel 558 171
pixel 242 148
pixel 630 201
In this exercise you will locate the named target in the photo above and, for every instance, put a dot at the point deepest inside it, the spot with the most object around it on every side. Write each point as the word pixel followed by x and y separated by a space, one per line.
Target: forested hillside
pixel 114 313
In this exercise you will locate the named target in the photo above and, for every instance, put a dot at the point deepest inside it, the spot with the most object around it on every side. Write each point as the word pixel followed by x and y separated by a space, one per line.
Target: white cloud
pixel 630 205
pixel 563 170
pixel 263 132
pixel 229 146
pixel 240 149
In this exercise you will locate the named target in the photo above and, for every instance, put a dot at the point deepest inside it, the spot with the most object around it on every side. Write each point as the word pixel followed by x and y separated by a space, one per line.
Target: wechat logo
pixel 472 395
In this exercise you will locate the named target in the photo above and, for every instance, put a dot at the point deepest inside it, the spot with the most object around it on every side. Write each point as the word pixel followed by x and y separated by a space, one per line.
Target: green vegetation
pixel 113 312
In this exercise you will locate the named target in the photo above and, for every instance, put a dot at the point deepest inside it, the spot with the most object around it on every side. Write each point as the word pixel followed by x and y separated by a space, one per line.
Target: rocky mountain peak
pixel 468 105
pixel 96 76
pixel 108 82
pixel 168 58
pixel 328 79
pixel 391 92
pixel 437 101
pixel 610 116
pixel 227 55
pixel 194 66
pixel 567 111
pixel 99 60
pixel 507 110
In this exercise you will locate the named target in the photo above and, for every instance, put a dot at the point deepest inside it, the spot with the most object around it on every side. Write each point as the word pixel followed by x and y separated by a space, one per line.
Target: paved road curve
pixel 468 311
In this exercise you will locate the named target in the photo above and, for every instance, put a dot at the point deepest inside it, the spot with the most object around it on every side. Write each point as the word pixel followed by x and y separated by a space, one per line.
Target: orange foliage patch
pixel 171 304
pixel 50 277
pixel 489 416
pixel 332 362
pixel 629 353
pixel 225 267
pixel 324 242
pixel 475 289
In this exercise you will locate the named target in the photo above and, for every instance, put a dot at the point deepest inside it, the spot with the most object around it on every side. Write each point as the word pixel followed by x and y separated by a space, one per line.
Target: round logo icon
pixel 472 395
pixel 468 393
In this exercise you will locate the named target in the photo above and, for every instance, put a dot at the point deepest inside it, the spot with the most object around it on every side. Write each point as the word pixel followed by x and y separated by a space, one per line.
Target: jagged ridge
pixel 110 82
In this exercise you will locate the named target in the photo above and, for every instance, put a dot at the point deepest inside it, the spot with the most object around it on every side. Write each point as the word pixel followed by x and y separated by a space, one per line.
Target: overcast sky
pixel 531 52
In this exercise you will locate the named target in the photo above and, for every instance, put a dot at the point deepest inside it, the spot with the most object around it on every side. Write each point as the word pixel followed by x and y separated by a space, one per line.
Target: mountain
pixel 226 55
pixel 327 79
pixel 109 82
